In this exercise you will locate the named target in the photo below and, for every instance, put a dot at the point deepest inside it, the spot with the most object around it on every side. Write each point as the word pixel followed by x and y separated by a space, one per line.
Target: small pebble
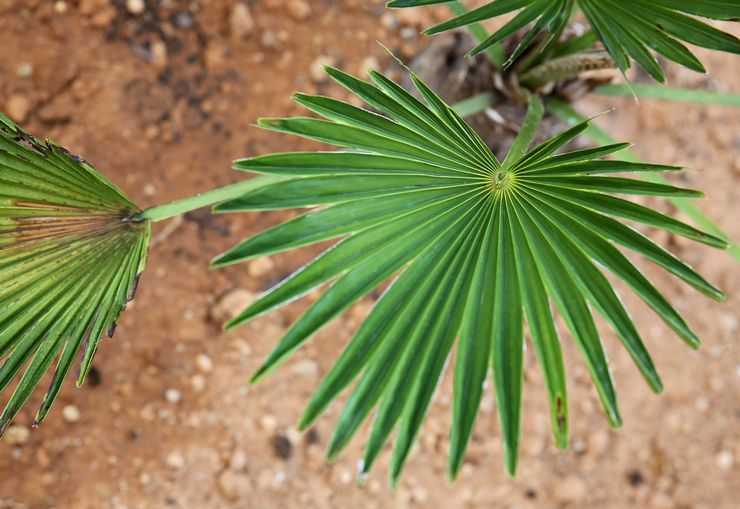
pixel 282 447
pixel 16 435
pixel 103 18
pixel 183 20
pixel 269 40
pixel 204 363
pixel 24 70
pixel 238 460
pixel 316 70
pixel 419 495
pixel 299 10
pixel 725 459
pixel 159 53
pixel 172 395
pixel 231 304
pixel 175 460
pixel 635 477
pixel 369 64
pixel 151 132
pixel 390 21
pixel 71 413
pixel 135 7
pixel 295 436
pixel 234 485
pixel 268 423
pixel 408 33
pixel 260 267
pixel 18 107
pixel 241 21
pixel 345 477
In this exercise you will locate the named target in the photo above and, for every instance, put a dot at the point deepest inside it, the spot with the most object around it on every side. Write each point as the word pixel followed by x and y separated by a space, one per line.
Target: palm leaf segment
pixel 475 246
pixel 626 28
pixel 69 262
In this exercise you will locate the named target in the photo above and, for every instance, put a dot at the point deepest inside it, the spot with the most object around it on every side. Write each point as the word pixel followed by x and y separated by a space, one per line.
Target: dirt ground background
pixel 161 100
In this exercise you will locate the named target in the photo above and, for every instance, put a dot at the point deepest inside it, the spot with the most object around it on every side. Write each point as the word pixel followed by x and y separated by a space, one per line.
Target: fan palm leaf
pixel 474 248
pixel 628 29
pixel 70 258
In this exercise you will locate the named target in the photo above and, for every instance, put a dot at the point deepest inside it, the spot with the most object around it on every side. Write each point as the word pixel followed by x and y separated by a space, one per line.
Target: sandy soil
pixel 161 102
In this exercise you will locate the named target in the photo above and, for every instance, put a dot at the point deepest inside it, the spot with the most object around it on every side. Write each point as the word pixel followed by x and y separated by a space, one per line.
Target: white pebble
pixel 172 395
pixel 175 461
pixel 260 267
pixel 204 363
pixel 345 477
pixel 725 459
pixel 268 423
pixel 16 435
pixel 238 460
pixel 71 413
pixel 24 70
pixel 231 304
pixel 316 70
pixel 135 7
pixel 241 21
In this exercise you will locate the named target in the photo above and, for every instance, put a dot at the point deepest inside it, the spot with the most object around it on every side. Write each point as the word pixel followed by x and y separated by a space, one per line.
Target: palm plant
pixel 628 29
pixel 475 247
pixel 70 254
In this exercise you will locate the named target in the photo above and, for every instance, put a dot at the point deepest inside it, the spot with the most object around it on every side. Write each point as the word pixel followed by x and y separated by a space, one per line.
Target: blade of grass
pixel 474 104
pixel 670 94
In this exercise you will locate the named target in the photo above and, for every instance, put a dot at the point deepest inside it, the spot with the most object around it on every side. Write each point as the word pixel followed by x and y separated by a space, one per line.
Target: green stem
pixel 219 195
pixel 566 112
pixel 495 51
pixel 474 104
pixel 670 94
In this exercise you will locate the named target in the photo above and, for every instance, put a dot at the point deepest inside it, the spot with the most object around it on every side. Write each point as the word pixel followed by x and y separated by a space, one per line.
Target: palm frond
pixel 70 258
pixel 473 246
pixel 628 29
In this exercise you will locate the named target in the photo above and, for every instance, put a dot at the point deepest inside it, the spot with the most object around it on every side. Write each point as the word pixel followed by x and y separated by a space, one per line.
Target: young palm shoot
pixel 474 247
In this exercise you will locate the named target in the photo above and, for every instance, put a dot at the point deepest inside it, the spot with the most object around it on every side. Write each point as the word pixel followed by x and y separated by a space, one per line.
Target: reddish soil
pixel 162 102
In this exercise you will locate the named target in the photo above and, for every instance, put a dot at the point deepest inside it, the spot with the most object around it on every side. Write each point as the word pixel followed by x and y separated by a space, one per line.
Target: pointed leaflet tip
pixel 303 422
pixel 259 375
pixel 512 459
pixel 615 420
pixel 656 384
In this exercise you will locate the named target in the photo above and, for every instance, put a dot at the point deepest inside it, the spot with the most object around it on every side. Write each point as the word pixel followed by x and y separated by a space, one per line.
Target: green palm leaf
pixel 628 29
pixel 473 246
pixel 70 259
